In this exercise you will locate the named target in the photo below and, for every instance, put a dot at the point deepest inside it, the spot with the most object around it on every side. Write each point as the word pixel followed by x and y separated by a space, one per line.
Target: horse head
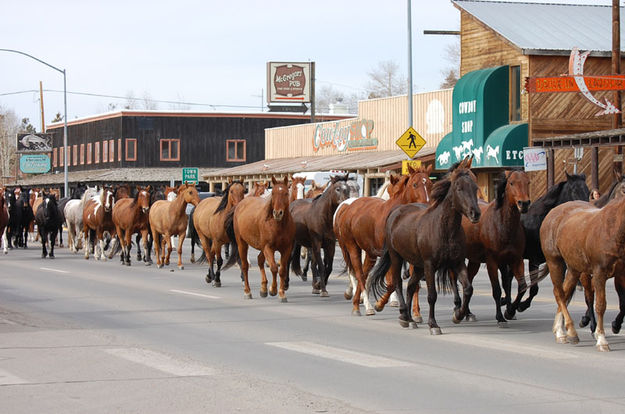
pixel 338 191
pixel 514 188
pixel 171 192
pixel 189 193
pixel 49 205
pixel 460 185
pixel 107 198
pixel 259 188
pixel 418 187
pixel 236 193
pixel 574 188
pixel 297 188
pixel 143 198
pixel 279 202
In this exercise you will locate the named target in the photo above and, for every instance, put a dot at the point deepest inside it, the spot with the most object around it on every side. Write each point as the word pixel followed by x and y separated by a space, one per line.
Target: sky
pixel 209 52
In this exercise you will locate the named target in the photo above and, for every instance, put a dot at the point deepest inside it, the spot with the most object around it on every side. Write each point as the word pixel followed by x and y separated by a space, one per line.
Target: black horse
pixel 48 219
pixel 15 217
pixel 26 216
pixel 574 188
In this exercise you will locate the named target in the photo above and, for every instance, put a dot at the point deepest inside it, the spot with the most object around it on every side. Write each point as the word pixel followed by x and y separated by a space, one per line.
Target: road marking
pixel 194 294
pixel 341 355
pixel 54 270
pixel 3 320
pixel 6 378
pixel 516 347
pixel 161 362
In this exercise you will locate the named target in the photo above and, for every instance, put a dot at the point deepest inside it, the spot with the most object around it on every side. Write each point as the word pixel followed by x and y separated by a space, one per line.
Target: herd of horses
pixel 437 232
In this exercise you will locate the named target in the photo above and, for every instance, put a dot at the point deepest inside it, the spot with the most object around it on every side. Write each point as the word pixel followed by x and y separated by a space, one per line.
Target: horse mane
pixel 500 190
pixel 603 200
pixel 441 187
pixel 224 200
pixel 268 209
pixel 548 200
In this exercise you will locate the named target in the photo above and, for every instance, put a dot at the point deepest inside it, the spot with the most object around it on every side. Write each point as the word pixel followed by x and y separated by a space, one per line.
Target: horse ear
pixel 286 180
pixel 148 188
pixel 411 170
pixel 393 178
pixel 273 180
pixel 428 169
pixel 469 162
pixel 230 180
pixel 616 175
pixel 507 172
pixel 567 175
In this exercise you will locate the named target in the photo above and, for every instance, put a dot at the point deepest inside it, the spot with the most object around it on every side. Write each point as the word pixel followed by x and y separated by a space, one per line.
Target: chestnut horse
pixel 431 239
pixel 314 230
pixel 315 190
pixel 168 218
pixel 259 189
pixel 209 220
pixel 130 215
pixel 297 188
pixel 97 219
pixel 582 239
pixel 359 226
pixel 266 225
pixel 498 239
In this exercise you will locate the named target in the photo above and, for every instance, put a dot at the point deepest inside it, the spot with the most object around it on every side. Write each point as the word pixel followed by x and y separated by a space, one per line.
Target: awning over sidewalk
pixel 504 147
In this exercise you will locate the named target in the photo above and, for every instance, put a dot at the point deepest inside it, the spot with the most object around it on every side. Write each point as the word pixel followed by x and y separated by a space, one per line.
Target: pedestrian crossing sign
pixel 410 142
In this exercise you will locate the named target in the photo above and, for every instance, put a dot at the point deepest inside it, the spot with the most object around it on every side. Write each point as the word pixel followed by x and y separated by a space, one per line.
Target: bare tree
pixel 148 102
pixel 9 126
pixel 451 74
pixel 386 80
pixel 131 101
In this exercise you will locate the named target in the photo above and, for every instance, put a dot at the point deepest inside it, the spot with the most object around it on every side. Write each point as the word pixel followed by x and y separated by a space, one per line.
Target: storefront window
pixel 515 93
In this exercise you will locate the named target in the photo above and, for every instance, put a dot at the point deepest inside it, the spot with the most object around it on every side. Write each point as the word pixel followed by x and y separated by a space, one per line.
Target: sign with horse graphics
pixel 289 82
pixel 33 143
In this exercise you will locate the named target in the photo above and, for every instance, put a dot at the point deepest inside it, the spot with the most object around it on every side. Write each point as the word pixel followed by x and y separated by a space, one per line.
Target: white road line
pixel 8 322
pixel 54 270
pixel 341 355
pixel 194 294
pixel 6 378
pixel 161 362
pixel 558 353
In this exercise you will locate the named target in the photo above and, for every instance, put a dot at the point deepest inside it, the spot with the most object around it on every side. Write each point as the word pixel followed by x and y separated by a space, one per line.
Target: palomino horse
pixel 266 225
pixel 313 230
pixel 168 218
pixel 4 220
pixel 130 215
pixel 583 239
pixel 499 239
pixel 209 220
pixel 73 218
pixel 97 220
pixel 48 220
pixel 359 226
pixel 431 239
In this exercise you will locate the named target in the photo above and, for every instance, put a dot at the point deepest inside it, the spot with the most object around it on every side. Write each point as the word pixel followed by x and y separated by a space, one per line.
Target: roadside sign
pixel 190 175
pixel 415 164
pixel 34 163
pixel 410 142
pixel 534 158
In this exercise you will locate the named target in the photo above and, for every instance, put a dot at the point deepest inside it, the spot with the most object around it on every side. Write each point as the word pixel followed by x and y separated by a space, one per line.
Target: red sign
pixel 568 83
pixel 289 81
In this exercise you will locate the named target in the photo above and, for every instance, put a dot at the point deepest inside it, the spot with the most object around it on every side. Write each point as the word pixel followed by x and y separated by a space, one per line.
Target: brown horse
pixel 297 188
pixel 431 239
pixel 583 239
pixel 97 219
pixel 209 220
pixel 168 218
pixel 316 189
pixel 359 226
pixel 258 189
pixel 499 239
pixel 266 225
pixel 313 229
pixel 130 215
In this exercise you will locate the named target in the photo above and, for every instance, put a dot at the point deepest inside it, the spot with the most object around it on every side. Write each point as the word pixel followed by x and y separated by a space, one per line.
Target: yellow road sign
pixel 415 164
pixel 410 142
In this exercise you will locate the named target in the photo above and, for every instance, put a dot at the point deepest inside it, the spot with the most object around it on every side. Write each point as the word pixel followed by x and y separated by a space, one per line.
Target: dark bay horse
pixel 130 215
pixel 48 218
pixel 314 230
pixel 97 219
pixel 359 225
pixel 498 239
pixel 431 239
pixel 26 217
pixel 168 218
pixel 583 239
pixel 209 220
pixel 266 225
pixel 15 217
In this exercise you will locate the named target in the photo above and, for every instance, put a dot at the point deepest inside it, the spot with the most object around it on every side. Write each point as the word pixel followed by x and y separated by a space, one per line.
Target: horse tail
pixel 376 278
pixel 533 277
pixel 191 232
pixel 203 259
pixel 296 266
pixel 443 281
pixel 234 250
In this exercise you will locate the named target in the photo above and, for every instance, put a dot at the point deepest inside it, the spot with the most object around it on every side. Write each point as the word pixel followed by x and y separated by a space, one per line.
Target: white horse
pixel 73 219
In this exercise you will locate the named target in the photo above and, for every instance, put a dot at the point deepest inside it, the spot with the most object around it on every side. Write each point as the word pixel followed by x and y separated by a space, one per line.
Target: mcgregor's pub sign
pixel 289 82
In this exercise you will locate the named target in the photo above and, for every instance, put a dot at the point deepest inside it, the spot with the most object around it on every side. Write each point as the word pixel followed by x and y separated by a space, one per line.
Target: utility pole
pixel 616 69
pixel 43 121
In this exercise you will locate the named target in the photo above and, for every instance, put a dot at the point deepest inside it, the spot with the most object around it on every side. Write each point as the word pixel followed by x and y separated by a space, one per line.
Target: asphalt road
pixel 79 336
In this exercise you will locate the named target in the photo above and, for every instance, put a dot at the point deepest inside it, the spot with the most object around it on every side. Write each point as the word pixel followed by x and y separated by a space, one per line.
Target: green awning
pixel 504 146
pixel 444 157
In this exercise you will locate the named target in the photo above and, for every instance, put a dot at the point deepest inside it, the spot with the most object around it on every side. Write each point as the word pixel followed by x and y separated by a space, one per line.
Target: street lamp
pixel 66 189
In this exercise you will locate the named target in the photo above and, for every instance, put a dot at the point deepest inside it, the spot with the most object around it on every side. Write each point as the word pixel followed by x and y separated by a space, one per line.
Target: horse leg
pixel 5 241
pixel 556 271
pixel 53 235
pixel 598 282
pixel 319 269
pixel 87 242
pixel 128 241
pixel 273 266
pixel 100 238
pixel 181 237
pixel 472 269
pixel 493 275
pixel 329 248
pixel 144 241
pixel 506 285
pixel 44 251
pixel 589 298
pixel 518 270
pixel 619 285
pixel 245 265
pixel 263 275
pixel 432 296
pixel 208 248
pixel 137 239
pixel 157 246
pixel 367 266
pixel 307 261
pixel 167 241
pixel 284 272
pixel 416 308
pixel 355 259
pixel 411 292
pixel 467 291
pixel 220 262
pixel 533 291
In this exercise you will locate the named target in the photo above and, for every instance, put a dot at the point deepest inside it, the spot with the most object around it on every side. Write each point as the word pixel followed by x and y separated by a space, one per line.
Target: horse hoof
pixel 378 307
pixel 584 321
pixel 181 267
pixel 208 279
pixel 148 263
pixel 272 292
pixel 616 328
pixel 160 266
pixel 316 291
pixel 324 294
pixel 347 296
pixel 283 300
pixel 370 312
pixel 216 284
pixel 603 348
pixel 573 340
pixel 523 306
pixel 417 318
pixel 304 278
pixel 393 304
pixel 455 320
pixel 435 331
pixel 248 295
pixel 509 316
pixel 403 323
pixel 414 325
pixel 502 324
pixel 263 293
pixel 356 312
pixel 561 340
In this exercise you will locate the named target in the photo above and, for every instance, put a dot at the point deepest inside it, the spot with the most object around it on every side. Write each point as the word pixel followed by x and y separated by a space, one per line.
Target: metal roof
pixel 544 28
pixel 355 161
